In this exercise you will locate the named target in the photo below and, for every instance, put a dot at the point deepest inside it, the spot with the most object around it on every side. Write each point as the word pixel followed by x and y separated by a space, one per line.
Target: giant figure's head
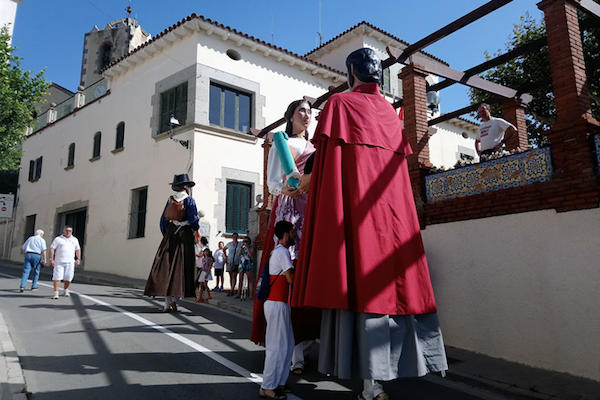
pixel 365 64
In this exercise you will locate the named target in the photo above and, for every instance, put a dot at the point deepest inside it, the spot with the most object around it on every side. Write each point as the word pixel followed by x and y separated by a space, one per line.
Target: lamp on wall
pixel 174 122
pixel 433 98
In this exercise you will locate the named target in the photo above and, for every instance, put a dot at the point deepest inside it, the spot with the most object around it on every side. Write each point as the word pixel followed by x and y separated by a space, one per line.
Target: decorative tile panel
pixel 511 171
pixel 597 147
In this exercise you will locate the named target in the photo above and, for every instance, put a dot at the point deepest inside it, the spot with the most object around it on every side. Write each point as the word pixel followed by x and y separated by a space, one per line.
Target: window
pixel 31 170
pixel 238 206
pixel 105 55
pixel 29 226
pixel 173 102
pixel 97 140
pixel 385 84
pixel 120 137
pixel 38 169
pixel 35 170
pixel 229 108
pixel 137 216
pixel 71 157
pixel 400 88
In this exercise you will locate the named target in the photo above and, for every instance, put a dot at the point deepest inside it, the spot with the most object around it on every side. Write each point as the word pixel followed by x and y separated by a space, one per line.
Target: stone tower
pixel 103 46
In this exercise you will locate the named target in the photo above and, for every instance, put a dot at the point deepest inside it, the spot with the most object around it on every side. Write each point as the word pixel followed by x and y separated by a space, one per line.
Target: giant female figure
pixel 289 203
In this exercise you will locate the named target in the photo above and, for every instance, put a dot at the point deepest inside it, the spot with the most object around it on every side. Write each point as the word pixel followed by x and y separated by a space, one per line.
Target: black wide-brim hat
pixel 182 180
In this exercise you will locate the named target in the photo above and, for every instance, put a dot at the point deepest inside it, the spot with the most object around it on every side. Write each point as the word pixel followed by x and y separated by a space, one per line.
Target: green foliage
pixel 19 93
pixel 531 73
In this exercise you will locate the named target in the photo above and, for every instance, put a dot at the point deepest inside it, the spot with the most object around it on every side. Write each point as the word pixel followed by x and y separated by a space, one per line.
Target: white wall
pixel 8 12
pixel 523 287
pixel 447 142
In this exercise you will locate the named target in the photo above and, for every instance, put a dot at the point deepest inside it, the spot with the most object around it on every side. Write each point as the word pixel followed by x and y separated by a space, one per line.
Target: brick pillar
pixel 414 102
pixel 514 112
pixel 569 135
pixel 265 211
pixel 566 62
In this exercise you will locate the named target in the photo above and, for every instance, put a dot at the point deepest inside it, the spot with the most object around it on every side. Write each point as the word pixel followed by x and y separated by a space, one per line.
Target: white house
pixel 102 160
pixel 8 13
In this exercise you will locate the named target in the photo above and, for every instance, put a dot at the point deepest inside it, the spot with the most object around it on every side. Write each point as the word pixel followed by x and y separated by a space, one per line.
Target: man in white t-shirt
pixel 279 338
pixel 219 264
pixel 64 254
pixel 492 131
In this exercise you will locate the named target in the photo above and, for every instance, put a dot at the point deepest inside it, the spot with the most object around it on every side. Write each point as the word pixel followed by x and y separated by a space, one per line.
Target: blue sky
pixel 49 34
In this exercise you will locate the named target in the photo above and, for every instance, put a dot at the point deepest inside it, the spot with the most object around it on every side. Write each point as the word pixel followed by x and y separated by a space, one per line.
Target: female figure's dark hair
pixel 289 116
pixel 204 240
pixel 367 66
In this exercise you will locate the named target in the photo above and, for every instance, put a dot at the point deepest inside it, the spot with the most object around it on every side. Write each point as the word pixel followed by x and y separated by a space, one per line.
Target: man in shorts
pixel 64 254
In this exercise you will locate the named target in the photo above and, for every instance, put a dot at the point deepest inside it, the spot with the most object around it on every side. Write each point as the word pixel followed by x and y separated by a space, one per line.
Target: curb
pixel 12 380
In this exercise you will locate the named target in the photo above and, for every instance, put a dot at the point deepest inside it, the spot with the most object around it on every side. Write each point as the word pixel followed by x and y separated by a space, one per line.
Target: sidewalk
pixel 498 377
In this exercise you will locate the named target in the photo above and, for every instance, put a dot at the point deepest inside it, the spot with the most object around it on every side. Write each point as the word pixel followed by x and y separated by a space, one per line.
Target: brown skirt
pixel 172 272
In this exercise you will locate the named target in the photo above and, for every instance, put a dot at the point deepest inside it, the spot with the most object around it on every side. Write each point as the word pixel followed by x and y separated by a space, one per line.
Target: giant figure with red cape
pixel 362 260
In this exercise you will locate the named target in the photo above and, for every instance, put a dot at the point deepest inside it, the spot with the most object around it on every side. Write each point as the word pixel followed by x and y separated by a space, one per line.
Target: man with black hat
pixel 362 260
pixel 172 273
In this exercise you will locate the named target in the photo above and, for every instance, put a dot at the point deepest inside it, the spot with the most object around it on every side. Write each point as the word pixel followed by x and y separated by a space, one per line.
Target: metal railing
pixel 90 93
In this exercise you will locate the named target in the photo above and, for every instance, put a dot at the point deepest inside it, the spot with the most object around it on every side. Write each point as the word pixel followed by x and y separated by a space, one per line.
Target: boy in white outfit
pixel 279 340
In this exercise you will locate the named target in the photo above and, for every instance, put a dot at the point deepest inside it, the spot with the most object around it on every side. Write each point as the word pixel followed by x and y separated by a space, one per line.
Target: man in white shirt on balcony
pixel 492 132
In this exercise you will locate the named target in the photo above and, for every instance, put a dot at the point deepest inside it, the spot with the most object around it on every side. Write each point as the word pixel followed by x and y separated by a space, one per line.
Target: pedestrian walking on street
pixel 172 272
pixel 34 249
pixel 65 253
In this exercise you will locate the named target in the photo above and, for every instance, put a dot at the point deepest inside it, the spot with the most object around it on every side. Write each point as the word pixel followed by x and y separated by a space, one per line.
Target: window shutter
pixel 31 170
pixel 120 135
pixel 38 168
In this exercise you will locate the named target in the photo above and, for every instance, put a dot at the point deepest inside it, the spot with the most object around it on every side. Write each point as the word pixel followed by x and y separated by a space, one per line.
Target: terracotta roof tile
pixel 227 28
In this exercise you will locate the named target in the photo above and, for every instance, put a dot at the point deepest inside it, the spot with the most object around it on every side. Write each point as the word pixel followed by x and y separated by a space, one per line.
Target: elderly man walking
pixel 64 254
pixel 35 255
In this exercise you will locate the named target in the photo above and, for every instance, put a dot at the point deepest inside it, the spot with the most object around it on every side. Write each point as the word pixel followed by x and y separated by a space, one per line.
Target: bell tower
pixel 103 46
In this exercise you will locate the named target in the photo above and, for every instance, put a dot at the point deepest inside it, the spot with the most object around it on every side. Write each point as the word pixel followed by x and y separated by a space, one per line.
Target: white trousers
pixel 279 344
pixel 371 388
pixel 298 356
pixel 169 300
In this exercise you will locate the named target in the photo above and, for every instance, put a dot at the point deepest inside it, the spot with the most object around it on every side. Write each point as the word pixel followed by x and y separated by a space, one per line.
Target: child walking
pixel 206 263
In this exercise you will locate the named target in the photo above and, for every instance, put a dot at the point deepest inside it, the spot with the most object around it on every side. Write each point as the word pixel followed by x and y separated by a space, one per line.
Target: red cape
pixel 361 243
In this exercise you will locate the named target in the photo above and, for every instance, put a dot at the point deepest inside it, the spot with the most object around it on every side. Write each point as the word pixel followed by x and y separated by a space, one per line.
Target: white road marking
pixel 252 377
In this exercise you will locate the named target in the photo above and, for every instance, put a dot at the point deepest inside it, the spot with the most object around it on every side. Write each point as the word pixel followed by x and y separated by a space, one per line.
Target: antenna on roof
pixel 320 30
pixel 129 10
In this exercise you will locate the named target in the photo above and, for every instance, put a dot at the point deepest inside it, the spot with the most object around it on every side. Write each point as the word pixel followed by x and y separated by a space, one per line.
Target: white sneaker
pixel 55 297
pixel 67 293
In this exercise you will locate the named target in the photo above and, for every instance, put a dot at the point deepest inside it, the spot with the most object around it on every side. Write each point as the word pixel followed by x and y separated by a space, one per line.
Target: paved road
pixel 109 343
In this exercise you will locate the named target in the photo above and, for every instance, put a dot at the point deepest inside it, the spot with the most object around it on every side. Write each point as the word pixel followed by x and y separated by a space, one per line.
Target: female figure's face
pixel 301 118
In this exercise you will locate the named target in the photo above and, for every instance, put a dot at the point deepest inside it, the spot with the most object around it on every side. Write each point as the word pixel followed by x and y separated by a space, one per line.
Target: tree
pixel 20 91
pixel 531 73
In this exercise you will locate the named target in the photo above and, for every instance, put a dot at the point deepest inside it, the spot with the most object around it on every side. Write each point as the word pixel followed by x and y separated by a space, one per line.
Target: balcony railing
pixel 89 94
